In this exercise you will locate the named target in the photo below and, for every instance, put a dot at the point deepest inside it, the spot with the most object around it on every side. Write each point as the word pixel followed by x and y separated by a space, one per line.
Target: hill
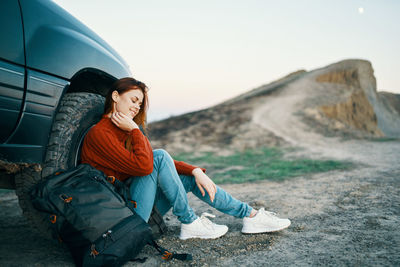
pixel 339 100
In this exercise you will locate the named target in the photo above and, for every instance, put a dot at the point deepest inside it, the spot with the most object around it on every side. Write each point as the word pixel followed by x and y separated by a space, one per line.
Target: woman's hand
pixel 204 183
pixel 123 122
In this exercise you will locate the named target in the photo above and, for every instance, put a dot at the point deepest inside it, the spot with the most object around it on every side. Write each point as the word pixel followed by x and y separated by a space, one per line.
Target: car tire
pixel 78 112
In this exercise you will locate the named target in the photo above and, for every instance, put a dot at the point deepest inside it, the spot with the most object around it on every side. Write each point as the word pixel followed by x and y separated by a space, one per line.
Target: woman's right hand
pixel 123 122
pixel 204 182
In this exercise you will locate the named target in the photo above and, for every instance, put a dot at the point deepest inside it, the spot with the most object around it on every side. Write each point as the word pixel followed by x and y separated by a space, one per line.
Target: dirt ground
pixel 338 218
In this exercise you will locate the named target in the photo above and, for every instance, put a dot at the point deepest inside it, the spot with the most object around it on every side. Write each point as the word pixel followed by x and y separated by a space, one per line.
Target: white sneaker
pixel 264 221
pixel 202 228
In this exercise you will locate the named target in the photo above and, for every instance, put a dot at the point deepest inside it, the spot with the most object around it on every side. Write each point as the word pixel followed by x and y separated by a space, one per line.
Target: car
pixel 54 75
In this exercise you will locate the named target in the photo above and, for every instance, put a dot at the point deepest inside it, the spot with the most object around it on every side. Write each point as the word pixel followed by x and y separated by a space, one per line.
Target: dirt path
pixel 279 115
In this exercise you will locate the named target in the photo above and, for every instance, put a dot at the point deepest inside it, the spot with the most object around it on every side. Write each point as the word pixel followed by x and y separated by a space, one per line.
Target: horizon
pixel 194 55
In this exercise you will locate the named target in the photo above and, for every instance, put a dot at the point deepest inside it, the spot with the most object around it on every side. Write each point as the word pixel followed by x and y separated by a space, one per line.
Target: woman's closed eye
pixel 136 102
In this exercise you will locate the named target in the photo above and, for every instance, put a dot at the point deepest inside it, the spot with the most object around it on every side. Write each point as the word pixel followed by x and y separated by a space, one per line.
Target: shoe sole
pixel 204 237
pixel 264 230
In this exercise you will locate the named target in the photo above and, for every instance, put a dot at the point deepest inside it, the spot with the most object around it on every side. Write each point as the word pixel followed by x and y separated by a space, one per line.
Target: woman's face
pixel 129 102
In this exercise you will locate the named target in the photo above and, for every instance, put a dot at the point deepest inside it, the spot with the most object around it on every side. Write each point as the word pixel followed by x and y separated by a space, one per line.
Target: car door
pixel 12 66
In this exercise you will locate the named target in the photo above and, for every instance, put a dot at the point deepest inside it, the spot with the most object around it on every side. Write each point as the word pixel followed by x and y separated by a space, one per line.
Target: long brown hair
pixel 124 85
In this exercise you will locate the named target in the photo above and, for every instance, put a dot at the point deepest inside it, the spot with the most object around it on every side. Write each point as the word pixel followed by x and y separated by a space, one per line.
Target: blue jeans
pixel 166 189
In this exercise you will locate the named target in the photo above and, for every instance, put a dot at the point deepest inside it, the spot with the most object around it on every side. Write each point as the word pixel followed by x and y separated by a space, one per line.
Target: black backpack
pixel 94 216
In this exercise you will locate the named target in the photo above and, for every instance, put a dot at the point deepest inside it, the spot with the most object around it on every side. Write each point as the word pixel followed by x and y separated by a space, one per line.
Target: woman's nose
pixel 136 106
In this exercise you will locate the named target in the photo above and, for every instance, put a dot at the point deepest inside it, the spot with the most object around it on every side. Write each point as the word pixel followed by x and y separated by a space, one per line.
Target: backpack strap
pixel 121 188
pixel 167 255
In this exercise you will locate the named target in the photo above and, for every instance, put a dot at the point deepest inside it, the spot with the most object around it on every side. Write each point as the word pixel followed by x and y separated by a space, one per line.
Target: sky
pixel 196 54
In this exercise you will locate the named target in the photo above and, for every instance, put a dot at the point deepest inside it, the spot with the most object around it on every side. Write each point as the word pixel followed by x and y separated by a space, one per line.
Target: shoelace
pixel 269 213
pixel 204 218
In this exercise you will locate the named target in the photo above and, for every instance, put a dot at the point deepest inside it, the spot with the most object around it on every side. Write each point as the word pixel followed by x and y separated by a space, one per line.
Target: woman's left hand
pixel 204 183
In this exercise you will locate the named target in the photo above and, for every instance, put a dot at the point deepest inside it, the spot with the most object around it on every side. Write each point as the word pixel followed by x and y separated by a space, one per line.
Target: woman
pixel 117 147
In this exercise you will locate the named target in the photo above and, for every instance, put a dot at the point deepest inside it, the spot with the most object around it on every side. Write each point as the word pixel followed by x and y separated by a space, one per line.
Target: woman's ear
pixel 115 96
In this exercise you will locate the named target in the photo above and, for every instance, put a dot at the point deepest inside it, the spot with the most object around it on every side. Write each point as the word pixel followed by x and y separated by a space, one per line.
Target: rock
pixel 258 203
pixel 363 108
pixel 356 112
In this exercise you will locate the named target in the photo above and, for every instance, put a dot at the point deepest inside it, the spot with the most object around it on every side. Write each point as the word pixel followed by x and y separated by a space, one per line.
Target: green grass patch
pixel 259 164
pixel 383 139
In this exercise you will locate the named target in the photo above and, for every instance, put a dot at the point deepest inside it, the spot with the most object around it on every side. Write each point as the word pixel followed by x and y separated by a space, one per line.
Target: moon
pixel 361 10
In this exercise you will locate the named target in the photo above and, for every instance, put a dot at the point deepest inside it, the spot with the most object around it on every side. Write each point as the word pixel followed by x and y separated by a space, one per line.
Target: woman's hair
pixel 122 86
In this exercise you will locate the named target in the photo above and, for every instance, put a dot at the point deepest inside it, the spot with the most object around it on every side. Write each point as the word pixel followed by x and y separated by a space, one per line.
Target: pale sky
pixel 195 54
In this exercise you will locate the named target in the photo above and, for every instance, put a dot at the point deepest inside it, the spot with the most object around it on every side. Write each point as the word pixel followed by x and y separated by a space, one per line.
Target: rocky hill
pixel 340 100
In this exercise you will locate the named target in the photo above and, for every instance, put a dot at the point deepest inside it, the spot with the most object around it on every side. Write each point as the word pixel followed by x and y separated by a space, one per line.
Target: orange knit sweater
pixel 104 149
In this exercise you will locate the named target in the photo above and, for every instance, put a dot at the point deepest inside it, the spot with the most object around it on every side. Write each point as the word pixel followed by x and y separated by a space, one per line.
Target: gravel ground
pixel 338 218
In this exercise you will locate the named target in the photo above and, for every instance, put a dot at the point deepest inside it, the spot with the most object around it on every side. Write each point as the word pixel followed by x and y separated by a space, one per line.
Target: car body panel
pixel 43 48
pixel 33 130
pixel 59 44
pixel 12 79
pixel 12 72
pixel 11 32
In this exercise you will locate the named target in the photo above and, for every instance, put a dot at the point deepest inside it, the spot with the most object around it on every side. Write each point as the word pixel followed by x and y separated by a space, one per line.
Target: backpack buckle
pixel 167 255
pixel 53 218
pixel 111 179
pixel 93 251
pixel 65 198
